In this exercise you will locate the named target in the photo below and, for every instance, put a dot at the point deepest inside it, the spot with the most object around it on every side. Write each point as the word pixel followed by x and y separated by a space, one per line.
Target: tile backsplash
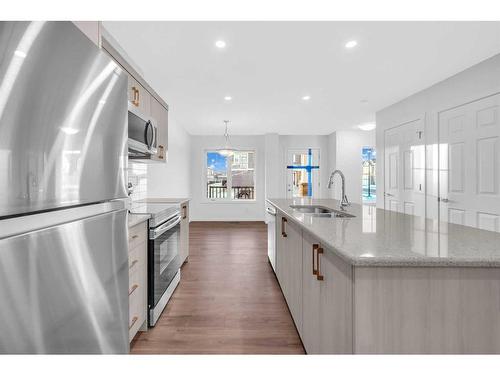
pixel 138 177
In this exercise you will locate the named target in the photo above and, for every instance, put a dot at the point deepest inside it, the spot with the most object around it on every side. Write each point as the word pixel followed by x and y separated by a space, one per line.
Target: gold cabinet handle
pixel 319 276
pixel 134 319
pixel 283 221
pixel 134 287
pixel 314 248
pixel 184 212
pixel 138 97
pixel 132 264
pixel 160 148
pixel 135 100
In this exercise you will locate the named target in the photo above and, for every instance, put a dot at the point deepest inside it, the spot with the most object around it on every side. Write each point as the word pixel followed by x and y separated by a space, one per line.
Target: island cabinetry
pixel 289 266
pixel 425 310
pixel 327 300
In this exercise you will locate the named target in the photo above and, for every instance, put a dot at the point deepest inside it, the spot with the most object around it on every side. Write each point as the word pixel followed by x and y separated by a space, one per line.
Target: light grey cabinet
pixel 327 300
pixel 160 114
pixel 184 247
pixel 289 266
pixel 142 96
pixel 91 29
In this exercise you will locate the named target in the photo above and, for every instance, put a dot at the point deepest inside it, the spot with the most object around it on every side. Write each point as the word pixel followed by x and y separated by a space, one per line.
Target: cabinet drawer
pixel 137 260
pixel 136 311
pixel 137 235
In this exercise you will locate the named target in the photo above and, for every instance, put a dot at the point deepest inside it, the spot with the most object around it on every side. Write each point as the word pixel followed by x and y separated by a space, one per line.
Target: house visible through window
pixel 230 177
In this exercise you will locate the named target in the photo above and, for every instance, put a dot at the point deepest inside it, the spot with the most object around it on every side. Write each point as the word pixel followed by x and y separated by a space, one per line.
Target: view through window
pixel 230 177
pixel 368 180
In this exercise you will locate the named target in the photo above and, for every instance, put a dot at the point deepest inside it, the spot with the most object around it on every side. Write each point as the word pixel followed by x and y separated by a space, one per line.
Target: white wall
pixel 348 147
pixel 202 209
pixel 172 180
pixel 474 83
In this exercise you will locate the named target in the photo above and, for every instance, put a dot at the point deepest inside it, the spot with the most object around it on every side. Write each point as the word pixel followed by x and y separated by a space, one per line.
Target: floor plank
pixel 228 300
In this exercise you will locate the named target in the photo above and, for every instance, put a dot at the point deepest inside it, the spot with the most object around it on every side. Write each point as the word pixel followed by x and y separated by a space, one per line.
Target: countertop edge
pixel 134 219
pixel 391 262
pixel 163 200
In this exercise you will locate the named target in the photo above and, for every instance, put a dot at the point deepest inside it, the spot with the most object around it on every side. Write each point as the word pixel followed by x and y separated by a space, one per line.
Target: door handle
pixel 283 221
pixel 314 248
pixel 319 276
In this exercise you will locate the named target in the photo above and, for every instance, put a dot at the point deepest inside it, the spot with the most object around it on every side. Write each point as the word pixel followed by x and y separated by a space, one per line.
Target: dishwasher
pixel 271 235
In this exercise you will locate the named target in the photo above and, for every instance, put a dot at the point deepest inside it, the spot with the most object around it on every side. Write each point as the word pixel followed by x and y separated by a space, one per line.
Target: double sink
pixel 321 211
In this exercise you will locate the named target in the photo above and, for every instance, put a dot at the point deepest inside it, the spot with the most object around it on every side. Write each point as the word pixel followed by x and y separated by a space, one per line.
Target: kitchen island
pixel 386 282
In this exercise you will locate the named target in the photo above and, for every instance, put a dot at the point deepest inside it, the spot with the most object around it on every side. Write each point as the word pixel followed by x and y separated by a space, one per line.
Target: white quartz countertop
pixel 377 237
pixel 163 200
pixel 134 219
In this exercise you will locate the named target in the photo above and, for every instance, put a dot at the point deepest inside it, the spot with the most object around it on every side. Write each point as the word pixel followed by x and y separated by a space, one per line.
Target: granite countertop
pixel 377 237
pixel 134 219
pixel 163 200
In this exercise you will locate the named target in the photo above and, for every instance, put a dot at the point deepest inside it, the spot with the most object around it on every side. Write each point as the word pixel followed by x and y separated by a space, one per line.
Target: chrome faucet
pixel 344 202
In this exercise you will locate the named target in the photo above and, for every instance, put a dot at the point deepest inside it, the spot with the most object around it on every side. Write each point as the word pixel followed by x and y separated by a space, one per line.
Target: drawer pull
pixel 134 320
pixel 314 248
pixel 283 221
pixel 319 276
pixel 132 264
pixel 134 236
pixel 132 290
pixel 184 212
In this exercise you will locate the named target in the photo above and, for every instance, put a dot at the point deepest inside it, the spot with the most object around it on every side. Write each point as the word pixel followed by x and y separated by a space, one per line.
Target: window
pixel 369 188
pixel 230 177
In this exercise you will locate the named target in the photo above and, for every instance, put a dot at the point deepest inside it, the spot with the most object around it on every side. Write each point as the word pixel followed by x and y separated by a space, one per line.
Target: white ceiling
pixel 268 66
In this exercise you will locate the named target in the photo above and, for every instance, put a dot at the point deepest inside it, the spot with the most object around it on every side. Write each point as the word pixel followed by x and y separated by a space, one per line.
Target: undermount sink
pixel 320 211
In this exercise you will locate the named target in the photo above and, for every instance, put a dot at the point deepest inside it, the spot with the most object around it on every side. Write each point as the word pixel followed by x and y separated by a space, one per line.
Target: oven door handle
pixel 165 227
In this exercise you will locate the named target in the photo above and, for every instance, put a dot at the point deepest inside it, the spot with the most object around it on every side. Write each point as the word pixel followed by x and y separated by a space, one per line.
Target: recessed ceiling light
pixel 228 98
pixel 220 44
pixel 351 44
pixel 367 126
pixel 306 97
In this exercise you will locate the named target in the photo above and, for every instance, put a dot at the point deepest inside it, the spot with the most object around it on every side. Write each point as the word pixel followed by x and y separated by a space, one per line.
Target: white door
pixel 302 173
pixel 404 168
pixel 469 164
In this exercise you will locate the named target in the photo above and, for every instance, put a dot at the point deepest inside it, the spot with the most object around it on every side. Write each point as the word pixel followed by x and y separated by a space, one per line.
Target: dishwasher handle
pixel 271 211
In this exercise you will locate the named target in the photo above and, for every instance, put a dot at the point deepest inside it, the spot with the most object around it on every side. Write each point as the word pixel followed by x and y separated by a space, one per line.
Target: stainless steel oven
pixel 142 134
pixel 163 264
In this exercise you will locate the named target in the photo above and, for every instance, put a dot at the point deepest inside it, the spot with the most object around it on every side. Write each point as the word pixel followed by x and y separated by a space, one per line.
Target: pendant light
pixel 227 150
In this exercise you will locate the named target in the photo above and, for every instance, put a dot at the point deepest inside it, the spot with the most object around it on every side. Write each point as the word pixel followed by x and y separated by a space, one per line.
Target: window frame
pixel 229 185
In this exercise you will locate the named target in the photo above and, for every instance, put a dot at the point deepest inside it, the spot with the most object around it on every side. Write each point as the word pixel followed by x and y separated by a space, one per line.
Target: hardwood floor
pixel 228 300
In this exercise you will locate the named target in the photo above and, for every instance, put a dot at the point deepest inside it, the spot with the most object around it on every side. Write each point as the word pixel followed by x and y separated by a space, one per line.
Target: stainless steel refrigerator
pixel 63 229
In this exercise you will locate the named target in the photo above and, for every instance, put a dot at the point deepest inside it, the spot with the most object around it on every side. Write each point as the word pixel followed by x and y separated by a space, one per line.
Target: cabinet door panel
pixel 310 298
pixel 138 96
pixel 160 114
pixel 335 307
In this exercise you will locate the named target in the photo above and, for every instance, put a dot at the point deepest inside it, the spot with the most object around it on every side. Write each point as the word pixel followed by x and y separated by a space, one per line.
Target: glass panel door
pixel 303 173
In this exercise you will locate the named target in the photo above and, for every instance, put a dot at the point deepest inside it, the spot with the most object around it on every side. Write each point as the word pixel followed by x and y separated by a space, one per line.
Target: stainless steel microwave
pixel 142 134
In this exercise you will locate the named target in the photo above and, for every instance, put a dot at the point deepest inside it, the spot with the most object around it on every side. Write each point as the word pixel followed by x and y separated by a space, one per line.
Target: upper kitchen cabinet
pixel 160 114
pixel 141 96
pixel 91 29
